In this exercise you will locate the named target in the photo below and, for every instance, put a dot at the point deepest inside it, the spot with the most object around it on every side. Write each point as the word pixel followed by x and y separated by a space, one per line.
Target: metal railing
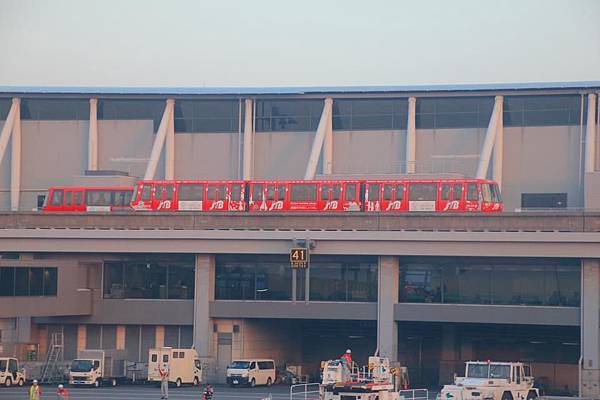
pixel 305 391
pixel 415 394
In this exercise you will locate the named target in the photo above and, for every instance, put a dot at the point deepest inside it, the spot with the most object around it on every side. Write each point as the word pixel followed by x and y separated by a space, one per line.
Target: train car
pixel 437 195
pixel 90 199
pixel 189 195
pixel 304 196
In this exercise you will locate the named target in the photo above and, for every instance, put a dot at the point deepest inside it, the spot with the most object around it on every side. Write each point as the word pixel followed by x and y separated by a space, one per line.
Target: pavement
pixel 147 392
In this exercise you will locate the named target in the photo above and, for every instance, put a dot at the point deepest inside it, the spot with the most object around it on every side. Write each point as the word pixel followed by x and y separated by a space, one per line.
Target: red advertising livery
pixel 74 198
pixel 394 196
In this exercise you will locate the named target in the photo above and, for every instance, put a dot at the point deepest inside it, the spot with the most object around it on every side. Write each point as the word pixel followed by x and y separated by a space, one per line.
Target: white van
pixel 251 372
pixel 183 365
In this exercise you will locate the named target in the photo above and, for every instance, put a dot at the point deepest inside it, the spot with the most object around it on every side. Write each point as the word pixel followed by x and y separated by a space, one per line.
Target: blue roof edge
pixel 282 90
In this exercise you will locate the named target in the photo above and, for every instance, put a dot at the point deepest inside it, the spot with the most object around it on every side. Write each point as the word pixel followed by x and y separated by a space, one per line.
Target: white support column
pixel 490 138
pixel 159 140
pixel 590 329
pixel 590 135
pixel 387 293
pixel 328 146
pixel 93 136
pixel 8 127
pixel 315 152
pixel 411 137
pixel 499 147
pixel 170 148
pixel 248 169
pixel 15 160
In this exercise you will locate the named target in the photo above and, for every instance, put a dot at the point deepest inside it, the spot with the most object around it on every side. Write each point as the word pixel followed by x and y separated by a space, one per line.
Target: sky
pixel 244 43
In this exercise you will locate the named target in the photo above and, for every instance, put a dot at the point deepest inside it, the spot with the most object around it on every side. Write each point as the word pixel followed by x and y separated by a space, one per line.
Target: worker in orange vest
pixel 62 393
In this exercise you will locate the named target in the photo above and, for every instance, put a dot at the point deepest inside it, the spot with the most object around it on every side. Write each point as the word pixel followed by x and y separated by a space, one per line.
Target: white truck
pixel 96 367
pixel 183 365
pixel 489 380
pixel 10 373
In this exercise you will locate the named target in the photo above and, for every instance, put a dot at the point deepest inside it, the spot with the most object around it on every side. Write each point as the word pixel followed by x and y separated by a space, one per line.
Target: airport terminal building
pixel 427 289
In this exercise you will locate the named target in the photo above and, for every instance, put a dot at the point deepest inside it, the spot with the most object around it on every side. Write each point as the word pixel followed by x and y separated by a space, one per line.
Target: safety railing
pixel 415 394
pixel 305 391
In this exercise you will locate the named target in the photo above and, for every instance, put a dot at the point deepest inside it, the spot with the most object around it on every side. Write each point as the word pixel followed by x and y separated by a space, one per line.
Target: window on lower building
pixel 288 115
pixel 343 279
pixel 28 281
pixel 370 114
pixel 544 200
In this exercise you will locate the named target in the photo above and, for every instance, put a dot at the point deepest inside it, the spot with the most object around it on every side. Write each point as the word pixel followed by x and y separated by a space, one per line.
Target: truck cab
pixel 10 374
pixel 492 381
pixel 95 367
pixel 85 372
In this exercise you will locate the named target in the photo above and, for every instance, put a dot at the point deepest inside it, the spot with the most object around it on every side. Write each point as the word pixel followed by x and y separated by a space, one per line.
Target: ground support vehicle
pixel 10 373
pixel 488 380
pixel 183 365
pixel 251 372
pixel 97 367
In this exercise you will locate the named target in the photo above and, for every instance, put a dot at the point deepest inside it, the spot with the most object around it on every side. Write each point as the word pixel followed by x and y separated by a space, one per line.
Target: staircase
pixel 51 372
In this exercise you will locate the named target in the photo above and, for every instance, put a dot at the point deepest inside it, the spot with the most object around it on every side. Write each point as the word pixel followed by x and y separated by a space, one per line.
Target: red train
pixel 402 195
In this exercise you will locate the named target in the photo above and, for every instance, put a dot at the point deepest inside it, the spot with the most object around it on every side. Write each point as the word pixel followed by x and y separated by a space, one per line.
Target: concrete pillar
pixel 449 354
pixel 159 140
pixel 7 128
pixel 328 146
pixel 590 329
pixel 411 137
pixel 499 147
pixel 159 336
pixel 120 337
pixel 590 135
pixel 170 149
pixel 315 152
pixel 387 328
pixel 204 293
pixel 93 136
pixel 248 168
pixel 81 337
pixel 15 161
pixel 490 139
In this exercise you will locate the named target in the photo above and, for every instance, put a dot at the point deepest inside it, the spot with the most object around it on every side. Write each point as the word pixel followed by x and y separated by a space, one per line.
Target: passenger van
pixel 251 372
pixel 183 365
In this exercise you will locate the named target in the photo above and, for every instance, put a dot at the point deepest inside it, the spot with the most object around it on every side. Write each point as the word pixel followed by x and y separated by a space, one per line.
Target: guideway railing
pixel 415 394
pixel 305 391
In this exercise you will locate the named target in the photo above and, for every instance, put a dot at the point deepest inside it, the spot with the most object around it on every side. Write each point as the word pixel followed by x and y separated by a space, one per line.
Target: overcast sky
pixel 297 43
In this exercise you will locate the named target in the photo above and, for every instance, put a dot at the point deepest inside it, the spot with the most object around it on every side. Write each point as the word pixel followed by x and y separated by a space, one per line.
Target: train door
pixel 473 197
pixel 69 203
pixel 236 200
pixel 372 196
pixel 190 196
pixel 78 200
pixel 143 198
pixel 216 197
pixel 444 202
pixel 163 197
pixel 351 196
pixel 395 194
pixel 257 196
pixel 387 197
pixel 422 196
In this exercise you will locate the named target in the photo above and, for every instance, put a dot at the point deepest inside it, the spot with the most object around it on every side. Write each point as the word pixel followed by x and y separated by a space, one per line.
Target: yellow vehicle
pixel 10 374
pixel 182 365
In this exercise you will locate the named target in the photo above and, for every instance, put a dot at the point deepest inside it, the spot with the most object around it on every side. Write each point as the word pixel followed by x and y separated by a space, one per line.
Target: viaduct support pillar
pixel 589 379
pixel 387 328
pixel 204 293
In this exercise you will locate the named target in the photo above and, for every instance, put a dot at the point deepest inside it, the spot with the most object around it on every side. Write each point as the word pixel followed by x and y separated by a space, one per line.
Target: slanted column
pixel 7 128
pixel 15 161
pixel 411 137
pixel 490 139
pixel 387 328
pixel 93 136
pixel 315 152
pixel 499 147
pixel 204 293
pixel 159 140
pixel 590 329
pixel 248 166
pixel 590 135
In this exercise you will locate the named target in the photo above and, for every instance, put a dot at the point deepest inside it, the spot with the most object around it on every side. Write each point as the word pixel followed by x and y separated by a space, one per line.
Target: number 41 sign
pixel 299 257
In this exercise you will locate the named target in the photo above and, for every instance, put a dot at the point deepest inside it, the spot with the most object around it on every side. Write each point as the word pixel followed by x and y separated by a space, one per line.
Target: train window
pixel 486 191
pixel 472 192
pixel 422 192
pixel 400 192
pixel 222 189
pixel 98 197
pixel 191 192
pixel 57 197
pixel 281 192
pixel 496 194
pixel 387 192
pixel 336 192
pixel 374 192
pixel 445 195
pixel 212 192
pixel 235 192
pixel 325 192
pixel 257 192
pixel 146 190
pixel 122 198
pixel 158 192
pixel 304 192
pixel 271 192
pixel 68 198
pixel 350 192
pixel 169 190
pixel 457 189
pixel 78 198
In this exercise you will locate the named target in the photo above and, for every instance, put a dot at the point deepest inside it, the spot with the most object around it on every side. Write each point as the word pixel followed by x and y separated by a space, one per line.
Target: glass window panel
pixel 420 284
pixel 270 192
pixel 145 281
pixel 50 281
pixel 236 192
pixel 336 192
pixel 518 284
pixel 422 191
pixel 98 197
pixel 361 282
pixel 235 281
pixel 281 192
pixel 303 192
pixel 257 192
pixel 373 190
pixel 327 282
pixel 7 281
pixel 181 282
pixel 325 192
pixel 54 109
pixel 457 191
pixel 113 280
pixel 273 281
pixel 146 189
pixel 486 191
pixel 445 191
pixel 78 198
pixel 350 192
pixel 399 192
pixel 211 192
pixel 68 198
pixel 387 192
pixel 472 192
pixel 21 281
pixel 57 197
pixel 168 190
pixel 36 281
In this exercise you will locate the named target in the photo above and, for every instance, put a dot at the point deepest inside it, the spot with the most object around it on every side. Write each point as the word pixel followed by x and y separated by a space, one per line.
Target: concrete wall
pixel 206 156
pixel 449 150
pixel 376 152
pixel 281 155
